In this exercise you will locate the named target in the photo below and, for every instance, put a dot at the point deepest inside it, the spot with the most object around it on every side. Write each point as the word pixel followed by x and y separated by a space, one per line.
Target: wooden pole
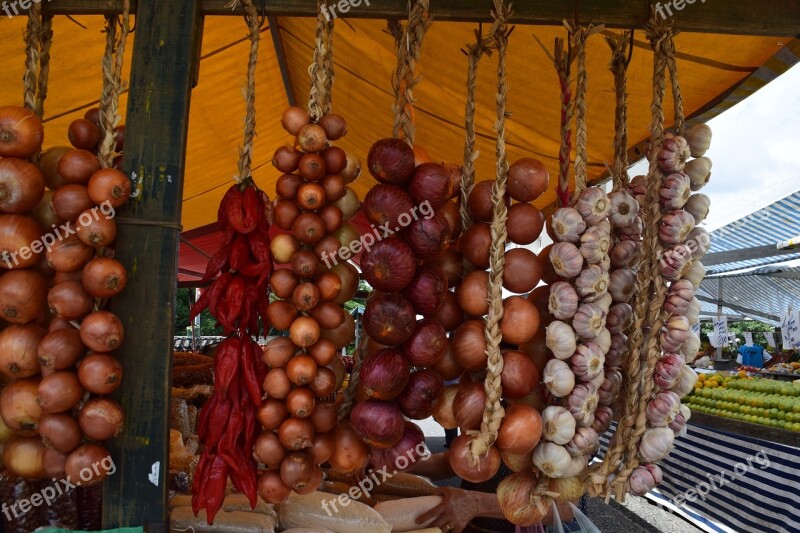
pixel 155 145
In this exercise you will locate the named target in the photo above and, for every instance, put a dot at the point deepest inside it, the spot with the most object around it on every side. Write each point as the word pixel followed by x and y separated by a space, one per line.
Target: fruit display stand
pixel 163 74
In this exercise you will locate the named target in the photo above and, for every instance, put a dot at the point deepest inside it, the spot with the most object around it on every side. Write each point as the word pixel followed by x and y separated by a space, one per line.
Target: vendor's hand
pixel 456 510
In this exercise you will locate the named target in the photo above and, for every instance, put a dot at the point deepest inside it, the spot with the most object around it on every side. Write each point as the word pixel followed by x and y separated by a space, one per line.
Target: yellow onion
pixel 522 503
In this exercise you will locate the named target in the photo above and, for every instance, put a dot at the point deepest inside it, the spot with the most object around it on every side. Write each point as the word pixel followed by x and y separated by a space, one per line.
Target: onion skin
pixel 87 458
pixel 268 449
pixel 447 366
pixel 16 233
pixel 24 457
pixel 469 345
pixel 59 392
pixel 77 166
pixel 391 161
pixel 409 446
pixel 518 500
pixel 21 132
pixel 71 200
pixel 427 290
pixel 468 406
pixel 60 432
pixel 431 183
pixel 101 419
pixel 443 412
pixel 524 223
pixel 389 319
pixel 449 315
pixel 429 237
pixel 18 345
pixel 100 373
pixel 69 300
pixel 384 374
pixel 60 349
pixel 296 433
pixel 102 331
pixel 520 375
pixel 520 320
pixel 350 453
pixel 480 201
pixel 418 400
pixel 522 272
pixel 271 488
pixel 520 430
pixel 460 458
pixel 109 186
pixel 389 266
pixel 21 186
pixel 18 406
pixel 474 245
pixel 473 293
pixel 385 204
pixel 322 448
pixel 69 255
pixel 527 179
pixel 426 345
pixel 100 231
pixel 272 413
pixel 22 296
pixel 378 423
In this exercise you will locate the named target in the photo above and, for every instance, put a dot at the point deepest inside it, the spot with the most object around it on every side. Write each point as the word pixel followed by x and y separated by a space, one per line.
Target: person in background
pixel 755 356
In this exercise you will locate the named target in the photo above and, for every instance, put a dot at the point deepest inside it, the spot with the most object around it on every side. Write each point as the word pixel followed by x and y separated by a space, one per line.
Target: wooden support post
pixel 155 148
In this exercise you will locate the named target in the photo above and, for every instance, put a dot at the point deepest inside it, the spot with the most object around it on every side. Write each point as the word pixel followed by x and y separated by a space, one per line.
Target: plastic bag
pixel 557 526
pixel 586 525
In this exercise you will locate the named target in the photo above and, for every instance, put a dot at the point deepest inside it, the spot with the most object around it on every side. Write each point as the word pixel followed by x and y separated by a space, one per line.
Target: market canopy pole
pixel 156 133
pixel 741 17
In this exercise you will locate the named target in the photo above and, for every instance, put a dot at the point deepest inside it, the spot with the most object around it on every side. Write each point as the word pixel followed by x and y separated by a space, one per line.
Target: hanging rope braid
pixel 672 65
pixel 409 48
pixel 45 42
pixel 246 151
pixel 33 33
pixel 562 59
pixel 112 84
pixel 355 377
pixel 474 52
pixel 619 67
pixel 321 69
pixel 493 411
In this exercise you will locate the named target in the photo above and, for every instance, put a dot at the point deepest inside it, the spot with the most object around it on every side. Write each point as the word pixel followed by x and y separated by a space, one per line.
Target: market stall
pixel 279 419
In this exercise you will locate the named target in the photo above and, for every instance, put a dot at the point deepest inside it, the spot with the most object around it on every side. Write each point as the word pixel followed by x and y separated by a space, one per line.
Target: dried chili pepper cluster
pixel 237 298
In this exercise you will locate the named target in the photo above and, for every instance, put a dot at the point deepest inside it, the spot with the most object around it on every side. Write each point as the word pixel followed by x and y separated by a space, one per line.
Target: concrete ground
pixel 636 515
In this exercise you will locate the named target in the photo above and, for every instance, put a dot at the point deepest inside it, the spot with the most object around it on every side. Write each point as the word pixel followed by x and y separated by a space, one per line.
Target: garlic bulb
pixel 620 318
pixel 558 424
pixel 587 363
pixel 560 339
pixel 699 139
pixel 584 442
pixel 583 401
pixel 624 209
pixel 625 254
pixel 656 444
pixel 633 232
pixel 577 465
pixel 563 300
pixel 668 370
pixel 603 416
pixel 679 297
pixel 699 241
pixel 592 283
pixel 662 409
pixel 603 340
pixel 678 426
pixel 558 378
pixel 619 346
pixel 604 302
pixel 675 227
pixel 598 381
pixel 588 321
pixel 674 333
pixel 698 205
pixel 674 263
pixel 692 314
pixel 595 244
pixel 609 390
pixel 593 205
pixel 675 191
pixel 686 382
pixel 695 273
pixel 622 285
pixel 644 479
pixel 673 154
pixel 567 225
pixel 553 460
pixel 699 172
pixel 638 186
pixel 604 226
pixel 605 263
pixel 690 348
pixel 566 259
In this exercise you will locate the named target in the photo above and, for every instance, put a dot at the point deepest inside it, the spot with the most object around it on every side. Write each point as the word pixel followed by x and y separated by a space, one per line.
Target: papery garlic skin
pixel 632 232
pixel 558 378
pixel 592 283
pixel 645 478
pixel 690 348
pixel 588 321
pixel 638 186
pixel 622 285
pixel 663 409
pixel 553 460
pixel 668 370
pixel 564 301
pixel 695 273
pixel 558 424
pixel 686 382
pixel 674 333
pixel 699 172
pixel 584 442
pixel 577 466
pixel 593 205
pixel 604 302
pixel 679 297
pixel 609 390
pixel 603 340
pixel 624 209
pixel 698 206
pixel 583 401
pixel 603 416
pixel 619 345
pixel 675 263
pixel 675 227
pixel 656 444
pixel 595 245
pixel 675 191
pixel 699 139
pixel 560 339
pixel 620 318
pixel 566 259
pixel 673 154
pixel 625 254
pixel 567 224
pixel 587 363
pixel 699 241
pixel 678 426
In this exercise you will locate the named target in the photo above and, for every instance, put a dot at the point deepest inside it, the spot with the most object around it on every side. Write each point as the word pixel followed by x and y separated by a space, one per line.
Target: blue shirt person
pixel 754 355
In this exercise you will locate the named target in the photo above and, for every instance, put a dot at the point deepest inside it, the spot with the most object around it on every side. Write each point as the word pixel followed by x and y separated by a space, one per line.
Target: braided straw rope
pixel 619 67
pixel 33 33
pixel 112 84
pixel 355 378
pixel 474 52
pixel 45 42
pixel 493 411
pixel 321 69
pixel 409 48
pixel 672 65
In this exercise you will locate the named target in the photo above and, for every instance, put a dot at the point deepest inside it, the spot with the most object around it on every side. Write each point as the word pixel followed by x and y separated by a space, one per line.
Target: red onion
pixel 431 183
pixel 427 344
pixel 384 374
pixel 429 237
pixel 408 450
pixel 389 266
pixel 391 161
pixel 427 290
pixel 385 204
pixel 418 400
pixel 389 319
pixel 380 424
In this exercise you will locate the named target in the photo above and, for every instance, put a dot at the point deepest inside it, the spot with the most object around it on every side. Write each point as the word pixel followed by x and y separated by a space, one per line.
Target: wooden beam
pixel 739 308
pixel 748 429
pixel 745 254
pixel 280 54
pixel 157 130
pixel 742 17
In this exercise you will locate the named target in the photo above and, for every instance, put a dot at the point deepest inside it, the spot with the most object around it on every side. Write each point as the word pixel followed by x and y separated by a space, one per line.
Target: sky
pixel 755 151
